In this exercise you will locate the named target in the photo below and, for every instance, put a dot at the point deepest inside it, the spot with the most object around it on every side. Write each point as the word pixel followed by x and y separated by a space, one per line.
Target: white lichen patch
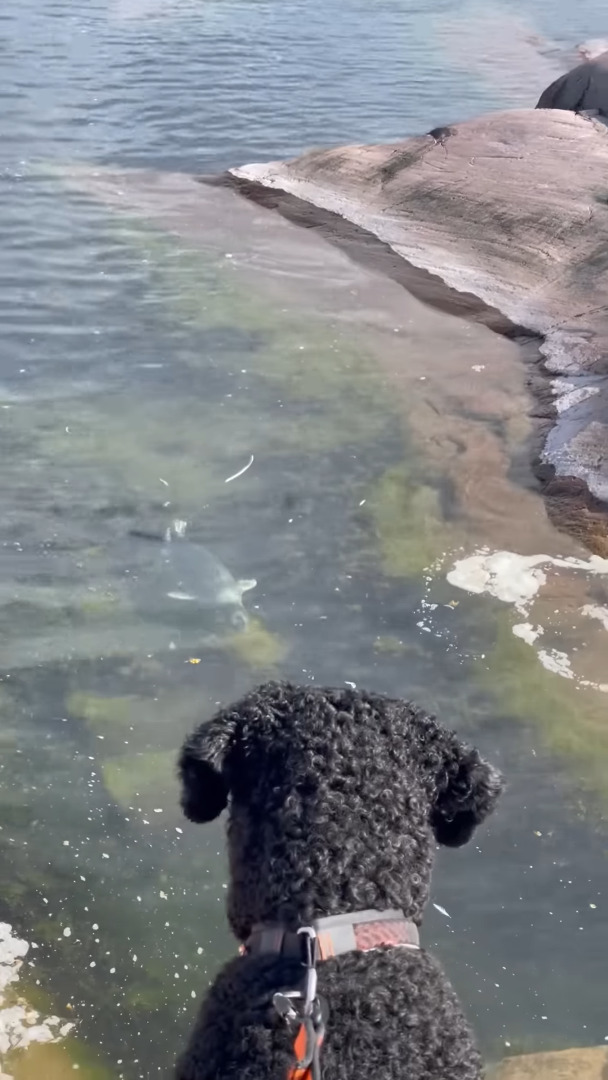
pixel 20 1024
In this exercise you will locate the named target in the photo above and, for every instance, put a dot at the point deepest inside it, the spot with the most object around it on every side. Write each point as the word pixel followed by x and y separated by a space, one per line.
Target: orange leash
pixel 312 1013
pixel 307 1056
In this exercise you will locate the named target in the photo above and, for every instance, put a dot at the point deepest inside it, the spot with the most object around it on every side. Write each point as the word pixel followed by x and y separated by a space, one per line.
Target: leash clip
pixel 311 1016
pixel 309 934
pixel 283 1004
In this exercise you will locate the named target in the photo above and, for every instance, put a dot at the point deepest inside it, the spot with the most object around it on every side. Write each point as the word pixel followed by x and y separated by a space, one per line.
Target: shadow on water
pixel 153 341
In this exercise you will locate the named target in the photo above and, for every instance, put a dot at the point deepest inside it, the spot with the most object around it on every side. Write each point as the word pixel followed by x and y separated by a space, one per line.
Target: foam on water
pixel 519 580
pixel 20 1025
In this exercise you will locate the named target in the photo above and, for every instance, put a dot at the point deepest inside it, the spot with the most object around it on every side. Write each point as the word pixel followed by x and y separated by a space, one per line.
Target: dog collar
pixel 302 1008
pixel 335 935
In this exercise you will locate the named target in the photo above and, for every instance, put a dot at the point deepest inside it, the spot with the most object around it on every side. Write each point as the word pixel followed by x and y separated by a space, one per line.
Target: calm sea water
pixel 137 374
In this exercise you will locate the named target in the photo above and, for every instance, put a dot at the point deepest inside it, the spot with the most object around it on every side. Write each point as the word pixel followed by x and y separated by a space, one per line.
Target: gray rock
pixel 513 209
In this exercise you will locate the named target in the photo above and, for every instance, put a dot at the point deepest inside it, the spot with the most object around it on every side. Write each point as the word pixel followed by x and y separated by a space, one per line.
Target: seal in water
pixel 189 574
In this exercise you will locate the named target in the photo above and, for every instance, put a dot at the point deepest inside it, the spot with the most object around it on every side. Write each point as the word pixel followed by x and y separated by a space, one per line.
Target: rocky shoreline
pixel 492 220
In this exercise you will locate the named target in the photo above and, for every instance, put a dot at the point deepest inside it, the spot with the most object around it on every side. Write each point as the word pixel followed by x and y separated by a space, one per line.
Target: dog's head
pixel 336 800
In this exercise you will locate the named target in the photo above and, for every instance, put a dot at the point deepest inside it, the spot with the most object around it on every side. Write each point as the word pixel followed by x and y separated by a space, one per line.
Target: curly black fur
pixel 337 799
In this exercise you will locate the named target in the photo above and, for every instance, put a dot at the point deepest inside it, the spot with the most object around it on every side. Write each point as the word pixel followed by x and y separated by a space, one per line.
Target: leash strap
pixel 311 1016
pixel 327 937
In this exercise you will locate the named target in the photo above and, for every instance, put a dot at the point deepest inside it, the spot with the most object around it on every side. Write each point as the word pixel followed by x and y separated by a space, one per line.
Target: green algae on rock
pixel 310 360
pixel 407 521
pixel 390 645
pixel 62 1061
pixel 257 647
pixel 147 777
pixel 109 717
pixel 577 1063
pixel 530 693
pixel 138 717
pixel 147 996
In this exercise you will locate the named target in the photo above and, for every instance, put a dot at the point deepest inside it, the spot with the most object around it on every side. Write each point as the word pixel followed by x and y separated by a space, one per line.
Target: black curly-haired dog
pixel 337 799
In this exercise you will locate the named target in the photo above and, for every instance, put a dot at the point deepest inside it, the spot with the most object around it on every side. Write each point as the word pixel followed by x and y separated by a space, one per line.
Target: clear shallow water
pixel 140 367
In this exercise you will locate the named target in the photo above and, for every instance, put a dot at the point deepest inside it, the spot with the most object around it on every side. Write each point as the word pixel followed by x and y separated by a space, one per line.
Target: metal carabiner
pixel 310 983
pixel 283 1003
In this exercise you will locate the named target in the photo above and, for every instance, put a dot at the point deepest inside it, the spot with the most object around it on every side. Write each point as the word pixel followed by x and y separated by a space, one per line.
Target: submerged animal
pixel 188 575
pixel 337 800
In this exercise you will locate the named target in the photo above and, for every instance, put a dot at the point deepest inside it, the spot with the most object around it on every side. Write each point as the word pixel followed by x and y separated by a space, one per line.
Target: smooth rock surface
pixel 499 207
pixel 576 1064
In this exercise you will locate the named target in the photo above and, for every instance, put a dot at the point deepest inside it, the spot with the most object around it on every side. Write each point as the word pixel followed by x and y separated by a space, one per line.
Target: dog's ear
pixel 202 769
pixel 467 791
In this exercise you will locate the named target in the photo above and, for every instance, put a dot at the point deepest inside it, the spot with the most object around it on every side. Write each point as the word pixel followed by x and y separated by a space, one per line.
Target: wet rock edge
pixel 570 505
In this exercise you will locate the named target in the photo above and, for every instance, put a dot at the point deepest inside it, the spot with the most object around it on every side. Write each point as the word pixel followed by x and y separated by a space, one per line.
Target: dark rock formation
pixel 582 90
